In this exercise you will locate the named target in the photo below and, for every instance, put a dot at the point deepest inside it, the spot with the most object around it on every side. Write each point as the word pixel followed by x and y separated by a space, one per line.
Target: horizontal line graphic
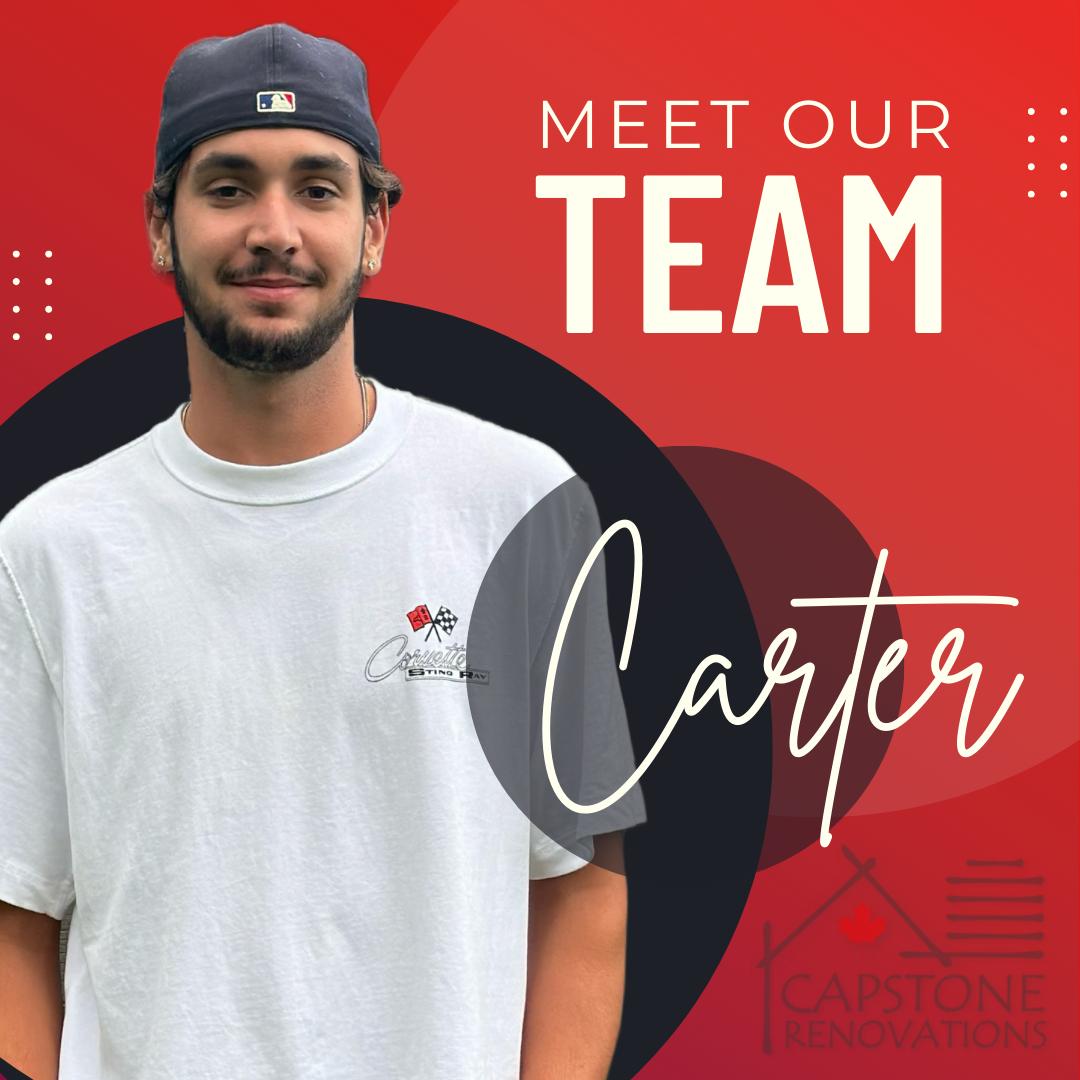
pixel 1035 954
pixel 999 937
pixel 994 880
pixel 994 899
pixel 994 862
pixel 994 918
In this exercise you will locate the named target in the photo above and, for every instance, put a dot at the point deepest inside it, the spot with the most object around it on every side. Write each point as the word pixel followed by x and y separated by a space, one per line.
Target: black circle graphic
pixel 690 867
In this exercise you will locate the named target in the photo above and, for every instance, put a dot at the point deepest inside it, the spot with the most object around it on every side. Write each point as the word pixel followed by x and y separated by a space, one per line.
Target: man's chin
pixel 270 328
pixel 269 346
pixel 277 338
pixel 268 363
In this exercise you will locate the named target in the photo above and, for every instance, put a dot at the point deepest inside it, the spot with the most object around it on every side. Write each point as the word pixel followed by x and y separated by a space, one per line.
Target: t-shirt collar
pixel 296 481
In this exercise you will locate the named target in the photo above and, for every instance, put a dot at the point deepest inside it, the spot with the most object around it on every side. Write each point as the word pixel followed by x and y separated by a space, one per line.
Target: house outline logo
pixel 864 871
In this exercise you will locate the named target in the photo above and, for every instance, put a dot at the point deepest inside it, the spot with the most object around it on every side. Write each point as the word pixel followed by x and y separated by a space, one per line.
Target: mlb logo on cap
pixel 275 101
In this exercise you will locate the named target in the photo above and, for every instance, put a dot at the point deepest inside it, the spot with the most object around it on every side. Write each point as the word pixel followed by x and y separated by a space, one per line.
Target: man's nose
pixel 273 225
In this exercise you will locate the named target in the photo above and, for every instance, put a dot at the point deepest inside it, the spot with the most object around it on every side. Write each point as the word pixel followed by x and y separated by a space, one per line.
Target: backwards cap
pixel 272 76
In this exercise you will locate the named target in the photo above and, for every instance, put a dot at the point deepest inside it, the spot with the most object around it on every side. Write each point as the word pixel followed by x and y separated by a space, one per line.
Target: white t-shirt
pixel 280 866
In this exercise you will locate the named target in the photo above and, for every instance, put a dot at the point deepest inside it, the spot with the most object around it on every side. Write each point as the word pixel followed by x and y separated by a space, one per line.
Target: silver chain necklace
pixel 365 382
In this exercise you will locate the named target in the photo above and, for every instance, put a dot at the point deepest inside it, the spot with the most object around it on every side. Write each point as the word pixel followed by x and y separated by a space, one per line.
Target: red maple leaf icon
pixel 862 927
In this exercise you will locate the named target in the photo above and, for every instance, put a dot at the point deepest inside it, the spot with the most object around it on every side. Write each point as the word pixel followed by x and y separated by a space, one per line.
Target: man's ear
pixel 376 228
pixel 158 233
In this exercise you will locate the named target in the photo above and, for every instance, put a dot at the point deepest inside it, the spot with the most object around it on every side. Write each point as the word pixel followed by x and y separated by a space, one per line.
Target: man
pixel 285 855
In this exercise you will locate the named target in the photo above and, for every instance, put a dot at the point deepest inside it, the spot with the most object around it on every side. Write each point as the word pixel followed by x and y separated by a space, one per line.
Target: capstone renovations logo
pixel 442 660
pixel 887 984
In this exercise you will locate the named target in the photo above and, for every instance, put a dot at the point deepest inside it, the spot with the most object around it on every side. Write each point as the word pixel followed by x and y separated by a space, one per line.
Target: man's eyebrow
pixel 219 161
pixel 237 163
pixel 331 163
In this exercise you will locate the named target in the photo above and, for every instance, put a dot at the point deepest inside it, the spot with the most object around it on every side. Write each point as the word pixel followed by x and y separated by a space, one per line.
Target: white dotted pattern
pixel 16 309
pixel 1062 166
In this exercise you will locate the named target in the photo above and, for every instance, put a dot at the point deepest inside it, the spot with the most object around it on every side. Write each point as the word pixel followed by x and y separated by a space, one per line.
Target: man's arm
pixel 31 1013
pixel 577 963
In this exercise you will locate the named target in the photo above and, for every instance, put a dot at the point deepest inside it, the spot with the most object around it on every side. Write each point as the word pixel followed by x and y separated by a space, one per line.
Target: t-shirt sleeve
pixel 35 848
pixel 548 858
pixel 590 737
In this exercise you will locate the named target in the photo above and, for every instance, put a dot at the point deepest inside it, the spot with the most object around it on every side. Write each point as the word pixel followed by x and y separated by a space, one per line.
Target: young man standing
pixel 287 856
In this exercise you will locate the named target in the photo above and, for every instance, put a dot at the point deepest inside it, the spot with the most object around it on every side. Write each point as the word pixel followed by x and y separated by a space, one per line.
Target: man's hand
pixel 577 963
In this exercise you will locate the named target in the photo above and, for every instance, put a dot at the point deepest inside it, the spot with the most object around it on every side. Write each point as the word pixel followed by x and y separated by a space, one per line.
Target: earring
pixel 371 264
pixel 161 260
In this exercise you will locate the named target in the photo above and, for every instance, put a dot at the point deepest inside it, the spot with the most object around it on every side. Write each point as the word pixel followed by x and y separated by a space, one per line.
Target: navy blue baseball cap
pixel 272 76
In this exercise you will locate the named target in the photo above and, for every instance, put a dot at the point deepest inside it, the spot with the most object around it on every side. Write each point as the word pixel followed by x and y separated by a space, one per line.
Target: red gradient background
pixel 955 451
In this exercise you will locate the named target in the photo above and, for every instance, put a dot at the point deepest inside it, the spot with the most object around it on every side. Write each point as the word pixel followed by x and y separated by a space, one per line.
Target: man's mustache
pixel 270 268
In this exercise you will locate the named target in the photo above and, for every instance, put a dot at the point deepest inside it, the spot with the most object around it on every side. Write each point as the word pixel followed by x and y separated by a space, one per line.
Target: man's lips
pixel 270 288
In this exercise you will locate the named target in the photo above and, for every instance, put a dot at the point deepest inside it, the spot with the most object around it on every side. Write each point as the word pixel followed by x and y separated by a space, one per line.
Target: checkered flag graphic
pixel 445 620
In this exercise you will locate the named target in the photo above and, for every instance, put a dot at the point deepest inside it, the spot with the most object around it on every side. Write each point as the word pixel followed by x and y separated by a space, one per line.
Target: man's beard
pixel 241 348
